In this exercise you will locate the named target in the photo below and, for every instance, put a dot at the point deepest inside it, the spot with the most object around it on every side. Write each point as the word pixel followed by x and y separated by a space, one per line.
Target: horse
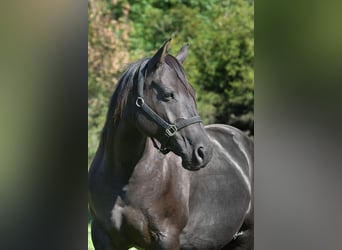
pixel 160 179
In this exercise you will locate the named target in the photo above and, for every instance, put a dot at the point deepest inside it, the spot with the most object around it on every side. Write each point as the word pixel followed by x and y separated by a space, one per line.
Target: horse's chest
pixel 144 219
pixel 132 224
pixel 130 215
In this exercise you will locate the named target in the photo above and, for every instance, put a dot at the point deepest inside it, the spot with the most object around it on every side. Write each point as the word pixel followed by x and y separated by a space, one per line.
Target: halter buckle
pixel 171 130
pixel 139 102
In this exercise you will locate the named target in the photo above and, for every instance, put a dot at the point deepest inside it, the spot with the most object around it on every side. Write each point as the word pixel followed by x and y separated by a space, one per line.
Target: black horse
pixel 143 187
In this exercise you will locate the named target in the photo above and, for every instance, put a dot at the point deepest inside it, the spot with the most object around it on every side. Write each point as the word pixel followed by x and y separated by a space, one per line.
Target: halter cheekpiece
pixel 170 129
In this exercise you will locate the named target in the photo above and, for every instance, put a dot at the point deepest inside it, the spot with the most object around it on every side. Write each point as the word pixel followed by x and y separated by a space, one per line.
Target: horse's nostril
pixel 200 153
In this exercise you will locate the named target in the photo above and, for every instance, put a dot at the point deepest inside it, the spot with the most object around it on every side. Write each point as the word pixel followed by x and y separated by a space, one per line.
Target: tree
pixel 220 63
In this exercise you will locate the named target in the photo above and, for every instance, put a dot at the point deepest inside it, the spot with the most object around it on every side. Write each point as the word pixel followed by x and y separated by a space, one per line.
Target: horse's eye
pixel 168 96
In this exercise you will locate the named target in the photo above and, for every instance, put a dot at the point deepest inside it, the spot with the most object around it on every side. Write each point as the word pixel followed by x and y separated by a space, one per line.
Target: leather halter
pixel 170 129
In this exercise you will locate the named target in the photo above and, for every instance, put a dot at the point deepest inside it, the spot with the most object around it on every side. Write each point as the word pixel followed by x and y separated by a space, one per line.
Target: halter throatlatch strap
pixel 170 129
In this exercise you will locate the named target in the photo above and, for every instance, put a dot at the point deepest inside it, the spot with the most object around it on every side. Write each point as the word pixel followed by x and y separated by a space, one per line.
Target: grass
pixel 90 243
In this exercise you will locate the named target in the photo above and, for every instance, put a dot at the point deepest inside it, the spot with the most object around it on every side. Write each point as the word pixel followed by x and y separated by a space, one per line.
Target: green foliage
pixel 220 63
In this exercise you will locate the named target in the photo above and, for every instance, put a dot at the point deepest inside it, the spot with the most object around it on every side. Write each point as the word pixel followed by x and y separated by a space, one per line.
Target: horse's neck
pixel 132 159
pixel 124 148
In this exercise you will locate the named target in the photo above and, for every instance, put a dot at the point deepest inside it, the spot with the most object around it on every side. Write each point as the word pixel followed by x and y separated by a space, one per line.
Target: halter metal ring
pixel 171 130
pixel 139 102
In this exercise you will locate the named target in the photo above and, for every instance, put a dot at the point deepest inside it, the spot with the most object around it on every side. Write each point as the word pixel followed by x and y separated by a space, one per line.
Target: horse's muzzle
pixel 200 157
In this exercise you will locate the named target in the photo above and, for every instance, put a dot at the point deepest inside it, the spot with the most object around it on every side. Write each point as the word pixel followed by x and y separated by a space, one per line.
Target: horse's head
pixel 166 109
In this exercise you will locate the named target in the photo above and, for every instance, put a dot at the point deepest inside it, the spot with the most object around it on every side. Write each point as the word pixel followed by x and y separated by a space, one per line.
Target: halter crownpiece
pixel 170 129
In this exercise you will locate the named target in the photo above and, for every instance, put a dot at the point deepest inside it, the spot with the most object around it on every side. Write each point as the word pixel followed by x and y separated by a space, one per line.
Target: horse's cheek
pixel 145 125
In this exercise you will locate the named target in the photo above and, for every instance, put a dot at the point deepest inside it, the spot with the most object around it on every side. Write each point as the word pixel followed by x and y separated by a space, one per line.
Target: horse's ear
pixel 183 53
pixel 158 57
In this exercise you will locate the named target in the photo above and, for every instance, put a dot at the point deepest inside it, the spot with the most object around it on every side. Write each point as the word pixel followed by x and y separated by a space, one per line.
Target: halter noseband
pixel 170 129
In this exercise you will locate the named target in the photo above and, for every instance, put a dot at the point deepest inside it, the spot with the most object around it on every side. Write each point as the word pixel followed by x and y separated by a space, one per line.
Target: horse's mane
pixel 125 86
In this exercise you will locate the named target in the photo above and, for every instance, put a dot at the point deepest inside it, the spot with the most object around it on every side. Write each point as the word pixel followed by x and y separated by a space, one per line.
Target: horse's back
pixel 220 193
